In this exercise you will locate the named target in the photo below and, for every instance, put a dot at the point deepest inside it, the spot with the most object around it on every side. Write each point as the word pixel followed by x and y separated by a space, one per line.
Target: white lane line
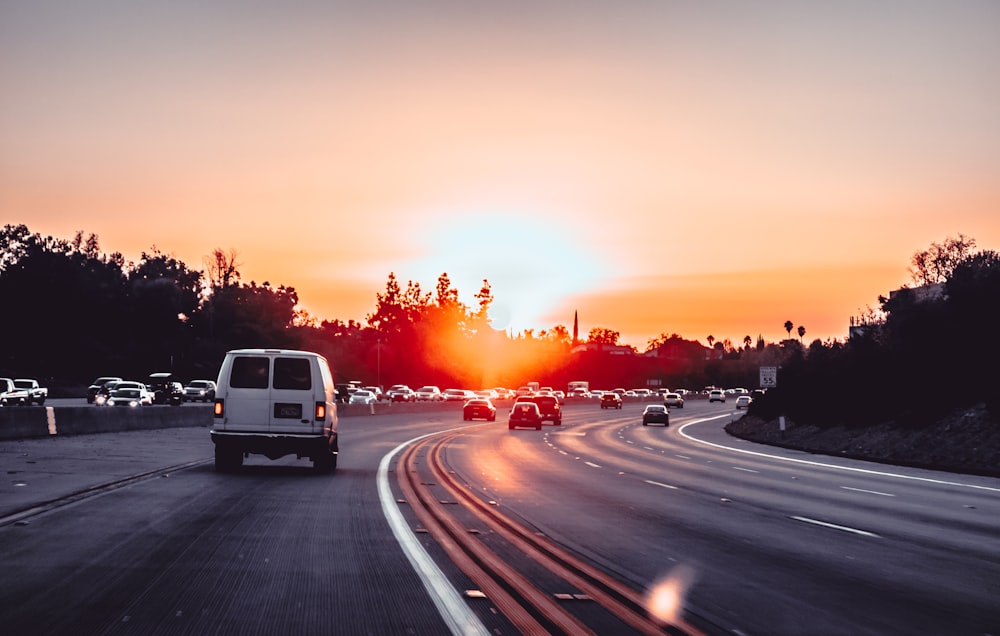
pixel 656 483
pixel 746 470
pixel 591 464
pixel 870 492
pixel 453 609
pixel 816 522
pixel 852 469
pixel 682 456
pixel 648 448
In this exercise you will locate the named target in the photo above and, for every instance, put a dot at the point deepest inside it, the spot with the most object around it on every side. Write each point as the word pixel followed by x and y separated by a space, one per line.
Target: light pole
pixel 378 363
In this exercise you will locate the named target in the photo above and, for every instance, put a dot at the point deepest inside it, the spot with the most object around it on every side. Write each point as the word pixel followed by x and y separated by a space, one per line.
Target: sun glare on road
pixel 665 601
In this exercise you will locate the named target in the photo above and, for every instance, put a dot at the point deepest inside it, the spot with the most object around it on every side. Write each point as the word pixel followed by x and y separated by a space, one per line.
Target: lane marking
pixel 455 612
pixel 656 483
pixel 682 456
pixel 746 470
pixel 870 492
pixel 592 464
pixel 866 471
pixel 834 526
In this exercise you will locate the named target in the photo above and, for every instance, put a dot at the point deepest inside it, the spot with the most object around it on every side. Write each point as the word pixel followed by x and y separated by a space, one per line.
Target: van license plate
pixel 289 411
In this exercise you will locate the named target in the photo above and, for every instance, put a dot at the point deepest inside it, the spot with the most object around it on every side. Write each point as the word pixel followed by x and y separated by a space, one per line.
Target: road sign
pixel 768 377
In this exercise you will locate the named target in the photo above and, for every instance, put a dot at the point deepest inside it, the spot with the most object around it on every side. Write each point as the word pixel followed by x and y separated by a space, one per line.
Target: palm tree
pixel 747 340
pixel 710 339
pixel 802 332
pixel 788 327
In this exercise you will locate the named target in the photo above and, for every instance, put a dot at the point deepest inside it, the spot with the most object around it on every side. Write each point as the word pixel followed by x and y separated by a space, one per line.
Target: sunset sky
pixel 704 168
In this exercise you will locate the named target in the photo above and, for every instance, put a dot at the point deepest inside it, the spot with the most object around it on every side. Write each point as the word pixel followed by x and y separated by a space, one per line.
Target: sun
pixel 533 263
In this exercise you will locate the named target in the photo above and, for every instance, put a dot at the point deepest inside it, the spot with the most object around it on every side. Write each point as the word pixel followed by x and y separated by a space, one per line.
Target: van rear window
pixel 292 373
pixel 249 373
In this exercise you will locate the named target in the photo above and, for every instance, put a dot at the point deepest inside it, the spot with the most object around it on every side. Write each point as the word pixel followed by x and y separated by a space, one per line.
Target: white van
pixel 275 402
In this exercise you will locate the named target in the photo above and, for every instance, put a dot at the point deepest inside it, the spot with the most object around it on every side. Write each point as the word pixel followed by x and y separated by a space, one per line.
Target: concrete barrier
pixel 36 421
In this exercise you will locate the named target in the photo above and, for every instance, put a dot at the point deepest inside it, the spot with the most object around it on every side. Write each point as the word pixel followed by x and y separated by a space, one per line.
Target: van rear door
pixel 248 400
pixel 292 395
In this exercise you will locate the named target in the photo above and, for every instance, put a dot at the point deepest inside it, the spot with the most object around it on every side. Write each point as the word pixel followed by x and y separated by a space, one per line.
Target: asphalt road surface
pixel 758 540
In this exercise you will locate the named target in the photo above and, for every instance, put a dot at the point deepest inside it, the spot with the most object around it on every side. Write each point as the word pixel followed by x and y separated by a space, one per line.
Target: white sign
pixel 768 377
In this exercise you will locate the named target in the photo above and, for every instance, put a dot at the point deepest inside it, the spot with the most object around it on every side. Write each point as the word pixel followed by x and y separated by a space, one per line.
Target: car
pixel 479 408
pixel 489 394
pixel 611 400
pixel 129 397
pixel 655 414
pixel 400 393
pixel 548 406
pixel 362 396
pixel 578 394
pixel 743 402
pixel 716 395
pixel 429 393
pixel 165 388
pixel 145 395
pixel 457 395
pixel 275 402
pixel 200 391
pixel 524 391
pixel 673 399
pixel 524 415
pixel 376 390
pixel 96 385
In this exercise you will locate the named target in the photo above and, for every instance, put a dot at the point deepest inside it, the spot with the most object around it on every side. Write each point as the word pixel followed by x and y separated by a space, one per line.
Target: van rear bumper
pixel 275 445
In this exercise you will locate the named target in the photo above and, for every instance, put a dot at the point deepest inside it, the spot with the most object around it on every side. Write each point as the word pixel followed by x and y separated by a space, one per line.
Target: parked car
pixel 362 396
pixel 524 415
pixel 200 391
pixel 743 402
pixel 611 400
pixel 479 409
pixel 673 399
pixel 429 393
pixel 716 395
pixel 548 406
pixel 655 414
pixel 96 385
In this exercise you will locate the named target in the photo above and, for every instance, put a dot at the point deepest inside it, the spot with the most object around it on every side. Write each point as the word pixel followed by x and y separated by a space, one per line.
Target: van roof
pixel 276 351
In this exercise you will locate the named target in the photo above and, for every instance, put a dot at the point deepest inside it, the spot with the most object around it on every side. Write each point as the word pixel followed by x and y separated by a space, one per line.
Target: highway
pixel 753 539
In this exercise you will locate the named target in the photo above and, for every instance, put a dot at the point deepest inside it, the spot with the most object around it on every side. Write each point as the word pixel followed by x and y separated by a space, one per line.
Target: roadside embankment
pixel 968 441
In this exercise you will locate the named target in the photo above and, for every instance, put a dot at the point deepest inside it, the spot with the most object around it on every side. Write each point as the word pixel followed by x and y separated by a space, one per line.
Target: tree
pixel 747 341
pixel 802 332
pixel 937 262
pixel 603 336
pixel 221 268
pixel 788 327
pixel 710 339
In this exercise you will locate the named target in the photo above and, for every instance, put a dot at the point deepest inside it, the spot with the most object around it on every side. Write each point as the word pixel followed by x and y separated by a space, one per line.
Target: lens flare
pixel 665 601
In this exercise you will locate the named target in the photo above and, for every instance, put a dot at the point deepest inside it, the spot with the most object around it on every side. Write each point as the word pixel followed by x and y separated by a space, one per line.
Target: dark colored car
pixel 548 406
pixel 165 388
pixel 611 400
pixel 479 409
pixel 655 414
pixel 96 386
pixel 525 414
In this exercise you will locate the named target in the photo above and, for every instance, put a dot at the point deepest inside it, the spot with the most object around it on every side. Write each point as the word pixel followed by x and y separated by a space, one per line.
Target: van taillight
pixel 220 408
pixel 320 411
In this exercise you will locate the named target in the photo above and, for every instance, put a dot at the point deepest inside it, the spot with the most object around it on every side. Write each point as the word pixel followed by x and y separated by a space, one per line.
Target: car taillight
pixel 220 408
pixel 320 411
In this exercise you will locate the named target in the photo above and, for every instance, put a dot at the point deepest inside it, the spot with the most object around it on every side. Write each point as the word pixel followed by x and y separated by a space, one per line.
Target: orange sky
pixel 660 167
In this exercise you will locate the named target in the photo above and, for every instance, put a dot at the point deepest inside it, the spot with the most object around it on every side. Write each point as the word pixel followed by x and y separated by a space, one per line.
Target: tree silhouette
pixel 802 332
pixel 788 327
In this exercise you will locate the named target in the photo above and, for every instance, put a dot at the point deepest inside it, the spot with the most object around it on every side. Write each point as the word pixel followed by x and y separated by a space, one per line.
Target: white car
pixel 429 394
pixel 673 399
pixel 743 402
pixel 716 395
pixel 145 395
pixel 457 395
pixel 362 396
